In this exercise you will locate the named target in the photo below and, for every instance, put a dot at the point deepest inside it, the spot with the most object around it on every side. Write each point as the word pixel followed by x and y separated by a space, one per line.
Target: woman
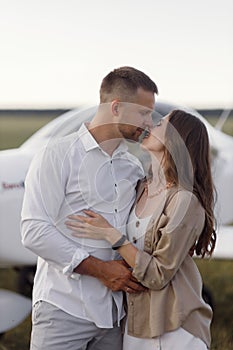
pixel 172 217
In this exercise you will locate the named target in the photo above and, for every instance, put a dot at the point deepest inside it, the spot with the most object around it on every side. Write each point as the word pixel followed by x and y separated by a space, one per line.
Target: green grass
pixel 217 274
pixel 15 130
pixel 17 338
pixel 227 126
pixel 218 277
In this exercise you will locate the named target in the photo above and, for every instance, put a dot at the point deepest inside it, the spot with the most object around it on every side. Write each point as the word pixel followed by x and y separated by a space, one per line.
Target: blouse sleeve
pixel 185 219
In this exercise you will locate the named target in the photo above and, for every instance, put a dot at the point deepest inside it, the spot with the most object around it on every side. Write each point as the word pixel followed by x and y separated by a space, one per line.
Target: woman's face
pixel 154 142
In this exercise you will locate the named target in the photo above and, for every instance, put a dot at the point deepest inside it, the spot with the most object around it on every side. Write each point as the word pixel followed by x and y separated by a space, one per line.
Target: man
pixel 77 298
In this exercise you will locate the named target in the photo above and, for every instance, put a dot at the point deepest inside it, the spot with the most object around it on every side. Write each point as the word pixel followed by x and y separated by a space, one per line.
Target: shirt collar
pixel 90 143
pixel 87 139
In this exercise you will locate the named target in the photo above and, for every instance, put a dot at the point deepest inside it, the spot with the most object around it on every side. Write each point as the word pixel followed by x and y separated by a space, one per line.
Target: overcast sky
pixel 54 53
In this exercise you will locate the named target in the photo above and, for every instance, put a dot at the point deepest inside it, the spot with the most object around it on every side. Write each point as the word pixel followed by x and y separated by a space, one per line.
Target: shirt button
pixel 134 240
pixel 137 223
pixel 111 161
pixel 115 185
pixel 115 210
pixel 131 303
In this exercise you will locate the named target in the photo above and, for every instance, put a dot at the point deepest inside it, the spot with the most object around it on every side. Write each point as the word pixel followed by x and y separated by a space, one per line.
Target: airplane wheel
pixel 25 280
pixel 207 296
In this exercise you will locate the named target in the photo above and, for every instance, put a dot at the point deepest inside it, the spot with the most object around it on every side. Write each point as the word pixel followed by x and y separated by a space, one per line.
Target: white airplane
pixel 14 164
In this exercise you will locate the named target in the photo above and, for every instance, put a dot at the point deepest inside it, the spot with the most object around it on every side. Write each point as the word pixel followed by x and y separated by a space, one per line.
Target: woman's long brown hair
pixel 187 164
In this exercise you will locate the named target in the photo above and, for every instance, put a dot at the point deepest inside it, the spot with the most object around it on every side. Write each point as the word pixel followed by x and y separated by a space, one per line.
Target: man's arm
pixel 114 274
pixel 44 195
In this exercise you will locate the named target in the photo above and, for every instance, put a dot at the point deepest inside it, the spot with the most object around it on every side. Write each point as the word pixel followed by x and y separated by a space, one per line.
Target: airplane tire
pixel 207 296
pixel 25 280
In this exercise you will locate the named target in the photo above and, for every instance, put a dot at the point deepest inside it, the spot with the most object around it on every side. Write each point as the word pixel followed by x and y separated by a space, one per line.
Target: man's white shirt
pixel 66 177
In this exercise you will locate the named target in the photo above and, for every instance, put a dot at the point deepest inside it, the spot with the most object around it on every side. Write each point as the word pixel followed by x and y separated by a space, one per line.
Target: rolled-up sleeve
pixel 44 195
pixel 184 224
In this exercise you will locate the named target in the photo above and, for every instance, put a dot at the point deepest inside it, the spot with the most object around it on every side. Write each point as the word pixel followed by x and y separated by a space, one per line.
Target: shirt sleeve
pixel 183 222
pixel 44 194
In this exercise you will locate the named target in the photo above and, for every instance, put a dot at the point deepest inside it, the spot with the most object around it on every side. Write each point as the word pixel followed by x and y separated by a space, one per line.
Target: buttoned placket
pixel 116 190
pixel 115 184
pixel 135 238
pixel 115 154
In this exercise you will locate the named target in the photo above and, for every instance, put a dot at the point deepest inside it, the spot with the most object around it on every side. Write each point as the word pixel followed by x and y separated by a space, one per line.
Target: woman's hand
pixel 93 226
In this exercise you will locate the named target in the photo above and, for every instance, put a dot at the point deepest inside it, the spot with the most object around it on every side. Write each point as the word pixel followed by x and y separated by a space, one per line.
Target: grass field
pixel 15 130
pixel 217 274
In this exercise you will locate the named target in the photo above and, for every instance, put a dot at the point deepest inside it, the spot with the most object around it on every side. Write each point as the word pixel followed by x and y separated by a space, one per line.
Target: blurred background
pixel 54 54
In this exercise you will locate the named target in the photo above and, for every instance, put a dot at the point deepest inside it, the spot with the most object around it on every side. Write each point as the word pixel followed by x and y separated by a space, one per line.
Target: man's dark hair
pixel 122 83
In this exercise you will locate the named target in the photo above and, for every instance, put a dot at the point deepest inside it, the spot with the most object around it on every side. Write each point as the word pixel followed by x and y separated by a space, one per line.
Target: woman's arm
pixel 95 226
pixel 185 219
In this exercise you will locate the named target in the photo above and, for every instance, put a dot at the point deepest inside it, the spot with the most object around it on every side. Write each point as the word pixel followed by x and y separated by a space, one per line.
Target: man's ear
pixel 115 107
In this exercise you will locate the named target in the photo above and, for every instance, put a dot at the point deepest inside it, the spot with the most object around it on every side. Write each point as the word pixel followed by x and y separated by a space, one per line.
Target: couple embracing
pixel 115 268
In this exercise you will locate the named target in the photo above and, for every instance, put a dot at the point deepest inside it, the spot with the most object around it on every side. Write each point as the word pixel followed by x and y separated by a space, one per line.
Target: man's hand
pixel 118 277
pixel 114 274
